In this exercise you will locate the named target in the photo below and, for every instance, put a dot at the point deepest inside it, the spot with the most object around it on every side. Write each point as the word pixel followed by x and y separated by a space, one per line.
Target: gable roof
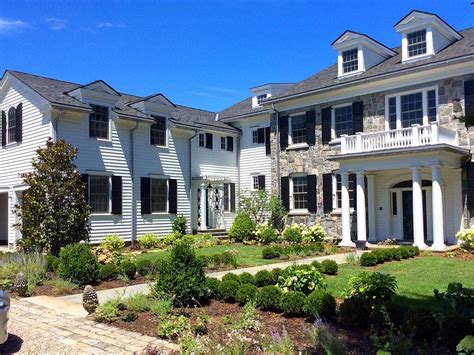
pixel 327 79
pixel 55 91
pixel 242 108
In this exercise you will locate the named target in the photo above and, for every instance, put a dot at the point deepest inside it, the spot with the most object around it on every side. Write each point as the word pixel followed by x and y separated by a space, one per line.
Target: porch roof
pixel 212 177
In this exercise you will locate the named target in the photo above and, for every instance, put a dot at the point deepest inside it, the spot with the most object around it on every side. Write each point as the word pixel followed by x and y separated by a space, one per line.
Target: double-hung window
pixel 11 125
pixel 416 42
pixel 343 120
pixel 99 122
pixel 158 131
pixel 223 143
pixel 260 99
pixel 226 197
pixel 337 202
pixel 99 193
pixel 298 129
pixel 159 195
pixel 202 140
pixel 255 136
pixel 350 62
pixel 300 192
pixel 412 109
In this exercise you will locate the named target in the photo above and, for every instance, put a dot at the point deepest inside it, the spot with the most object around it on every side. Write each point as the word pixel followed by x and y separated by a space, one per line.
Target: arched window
pixel 409 184
pixel 11 125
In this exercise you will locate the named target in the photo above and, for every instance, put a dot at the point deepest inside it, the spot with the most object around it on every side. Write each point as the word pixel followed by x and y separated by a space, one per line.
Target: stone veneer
pixel 313 160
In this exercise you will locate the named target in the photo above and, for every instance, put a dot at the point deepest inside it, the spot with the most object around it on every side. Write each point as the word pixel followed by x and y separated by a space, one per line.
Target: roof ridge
pixel 42 76
pixel 194 108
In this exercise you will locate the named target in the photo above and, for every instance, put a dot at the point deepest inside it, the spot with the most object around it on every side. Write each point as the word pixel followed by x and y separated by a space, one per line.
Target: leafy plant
pixel 52 262
pixel 268 298
pixel 62 287
pixel 172 326
pixel 149 241
pixel 466 237
pixel 128 268
pixel 54 212
pixel 77 264
pixel 320 303
pixel 248 319
pixel 466 345
pixel 352 259
pixel 108 272
pixel 231 276
pixel 246 278
pixel 263 278
pixel 265 234
pixel 315 233
pixel 368 259
pixel 144 267
pixel 354 313
pixel 329 267
pixel 271 253
pixel 179 225
pixel 373 288
pixel 292 303
pixel 243 228
pixel 114 243
pixel 246 293
pixel 107 312
pixel 325 340
pixel 305 280
pixel 137 302
pixel 161 307
pixel 293 233
pixel 213 287
pixel 228 290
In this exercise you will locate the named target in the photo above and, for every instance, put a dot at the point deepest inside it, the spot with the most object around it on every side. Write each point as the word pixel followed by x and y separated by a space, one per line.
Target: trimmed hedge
pixel 246 278
pixel 292 303
pixel 379 256
pixel 329 267
pixel 268 298
pixel 213 287
pixel 301 249
pixel 228 290
pixel 320 303
pixel 246 293
pixel 231 277
pixel 264 278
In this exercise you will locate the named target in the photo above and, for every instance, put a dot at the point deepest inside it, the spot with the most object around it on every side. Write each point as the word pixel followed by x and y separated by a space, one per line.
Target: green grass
pixel 249 255
pixel 417 278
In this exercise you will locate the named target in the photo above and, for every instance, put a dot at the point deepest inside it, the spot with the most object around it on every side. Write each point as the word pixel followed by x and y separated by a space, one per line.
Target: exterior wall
pixel 314 160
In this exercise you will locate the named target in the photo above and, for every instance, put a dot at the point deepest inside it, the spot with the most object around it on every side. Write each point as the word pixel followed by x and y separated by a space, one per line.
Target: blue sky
pixel 205 54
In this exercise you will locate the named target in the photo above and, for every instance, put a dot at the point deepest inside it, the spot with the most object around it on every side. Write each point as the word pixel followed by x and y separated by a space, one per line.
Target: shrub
pixel 329 267
pixel 172 326
pixel 107 312
pixel 320 303
pixel 149 241
pixel 266 234
pixel 305 279
pixel 144 267
pixel 204 240
pixel 373 288
pixel 368 259
pixel 181 275
pixel 108 272
pixel 213 287
pixel 231 276
pixel 453 328
pixel 404 252
pixel 456 299
pixel 62 287
pixel 137 302
pixel 128 268
pixel 317 265
pixel 246 293
pixel 161 307
pixel 293 233
pixel 242 229
pixel 276 273
pixel 228 289
pixel 246 278
pixel 268 298
pixel 422 323
pixel 263 278
pixel 77 264
pixel 396 254
pixel 466 345
pixel 179 225
pixel 52 262
pixel 313 234
pixel 292 303
pixel 354 313
pixel 379 256
pixel 113 242
pixel 270 253
pixel 466 239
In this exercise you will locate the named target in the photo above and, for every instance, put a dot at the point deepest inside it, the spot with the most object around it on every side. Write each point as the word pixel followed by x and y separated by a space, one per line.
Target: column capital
pixel 360 172
pixel 415 168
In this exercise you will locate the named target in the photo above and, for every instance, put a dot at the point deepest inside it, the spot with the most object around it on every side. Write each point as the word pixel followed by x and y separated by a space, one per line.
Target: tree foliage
pixel 261 207
pixel 54 211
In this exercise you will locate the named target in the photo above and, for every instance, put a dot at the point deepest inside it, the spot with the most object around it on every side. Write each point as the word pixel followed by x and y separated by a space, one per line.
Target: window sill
pixel 100 139
pixel 335 141
pixel 338 212
pixel 160 146
pixel 298 146
pixel 101 214
pixel 299 213
pixel 417 57
pixel 159 213
pixel 11 145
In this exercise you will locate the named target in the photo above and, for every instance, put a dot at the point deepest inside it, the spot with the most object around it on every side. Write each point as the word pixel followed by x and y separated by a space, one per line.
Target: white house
pixel 372 147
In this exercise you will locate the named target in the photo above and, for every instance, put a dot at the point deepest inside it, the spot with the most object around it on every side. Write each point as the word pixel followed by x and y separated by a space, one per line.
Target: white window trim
pixel 224 185
pixel 429 44
pixel 109 175
pixel 336 209
pixel 167 135
pixel 252 176
pixel 360 62
pixel 225 143
pixel 292 145
pixel 9 143
pixel 293 210
pixel 397 96
pixel 333 120
pixel 109 107
pixel 167 195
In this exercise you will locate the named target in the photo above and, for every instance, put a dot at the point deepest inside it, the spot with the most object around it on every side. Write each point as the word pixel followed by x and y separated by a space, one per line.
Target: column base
pixel 438 247
pixel 422 246
pixel 345 243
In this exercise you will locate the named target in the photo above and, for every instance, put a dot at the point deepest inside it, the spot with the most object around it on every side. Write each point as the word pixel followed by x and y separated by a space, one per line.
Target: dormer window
pixel 350 62
pixel 99 122
pixel 260 99
pixel 416 43
pixel 158 131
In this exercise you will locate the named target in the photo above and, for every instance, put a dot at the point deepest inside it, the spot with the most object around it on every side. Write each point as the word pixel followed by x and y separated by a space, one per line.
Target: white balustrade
pixel 399 138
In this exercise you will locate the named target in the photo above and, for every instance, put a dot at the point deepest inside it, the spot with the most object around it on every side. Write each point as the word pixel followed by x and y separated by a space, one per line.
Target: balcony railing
pixel 413 136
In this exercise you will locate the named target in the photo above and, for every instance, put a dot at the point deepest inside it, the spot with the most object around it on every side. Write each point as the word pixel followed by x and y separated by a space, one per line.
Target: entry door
pixel 407 202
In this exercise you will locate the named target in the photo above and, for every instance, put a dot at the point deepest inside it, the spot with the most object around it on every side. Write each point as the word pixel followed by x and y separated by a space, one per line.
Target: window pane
pixel 99 193
pixel 223 143
pixel 343 118
pixel 255 136
pixel 260 98
pixel 300 192
pixel 158 131
pixel 201 139
pixel 432 105
pixel 392 113
pixel 412 109
pixel 158 195
pixel 352 187
pixel 11 125
pixel 226 198
pixel 99 122
pixel 416 43
pixel 349 61
pixel 298 129
pixel 255 182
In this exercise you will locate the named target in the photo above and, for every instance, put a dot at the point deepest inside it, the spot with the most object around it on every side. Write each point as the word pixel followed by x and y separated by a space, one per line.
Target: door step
pixel 220 233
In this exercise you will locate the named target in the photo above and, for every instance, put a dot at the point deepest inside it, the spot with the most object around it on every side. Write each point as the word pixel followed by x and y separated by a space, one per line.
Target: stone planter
pixel 360 244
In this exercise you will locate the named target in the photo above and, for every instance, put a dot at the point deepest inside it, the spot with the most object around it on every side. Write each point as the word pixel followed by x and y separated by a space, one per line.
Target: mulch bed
pixel 457 254
pixel 272 323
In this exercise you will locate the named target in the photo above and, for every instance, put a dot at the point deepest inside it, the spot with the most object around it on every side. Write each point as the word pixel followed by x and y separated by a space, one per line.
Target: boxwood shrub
pixel 228 290
pixel 77 264
pixel 246 293
pixel 127 267
pixel 246 278
pixel 108 272
pixel 231 276
pixel 144 267
pixel 213 286
pixel 329 267
pixel 320 303
pixel 268 298
pixel 292 303
pixel 368 259
pixel 276 273
pixel 264 278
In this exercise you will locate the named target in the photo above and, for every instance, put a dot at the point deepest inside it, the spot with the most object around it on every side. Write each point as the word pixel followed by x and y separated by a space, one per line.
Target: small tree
pixel 260 207
pixel 54 212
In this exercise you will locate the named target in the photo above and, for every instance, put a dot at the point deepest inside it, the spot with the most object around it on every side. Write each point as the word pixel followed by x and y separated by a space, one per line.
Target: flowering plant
pixel 266 234
pixel 466 237
pixel 314 233
pixel 305 280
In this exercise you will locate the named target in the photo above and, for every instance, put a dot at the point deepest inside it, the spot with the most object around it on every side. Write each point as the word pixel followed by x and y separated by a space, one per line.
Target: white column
pixel 361 214
pixel 203 206
pixel 418 226
pixel 345 212
pixel 438 212
pixel 371 206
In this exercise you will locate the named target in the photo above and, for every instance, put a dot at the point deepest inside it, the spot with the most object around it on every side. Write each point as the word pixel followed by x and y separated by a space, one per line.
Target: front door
pixel 407 202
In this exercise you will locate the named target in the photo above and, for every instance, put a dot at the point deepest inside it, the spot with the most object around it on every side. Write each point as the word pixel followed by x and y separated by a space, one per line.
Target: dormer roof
pixel 155 98
pixel 97 85
pixel 352 39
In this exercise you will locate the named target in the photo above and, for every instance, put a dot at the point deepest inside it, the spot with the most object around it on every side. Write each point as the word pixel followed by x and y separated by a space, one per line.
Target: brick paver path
pixel 35 329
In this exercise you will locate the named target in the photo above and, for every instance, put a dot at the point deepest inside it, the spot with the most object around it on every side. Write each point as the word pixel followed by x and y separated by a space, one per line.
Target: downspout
pixel 277 133
pixel 132 177
pixel 56 125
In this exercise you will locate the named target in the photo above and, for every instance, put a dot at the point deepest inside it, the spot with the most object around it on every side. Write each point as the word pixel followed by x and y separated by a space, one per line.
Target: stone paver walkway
pixel 35 329
pixel 106 295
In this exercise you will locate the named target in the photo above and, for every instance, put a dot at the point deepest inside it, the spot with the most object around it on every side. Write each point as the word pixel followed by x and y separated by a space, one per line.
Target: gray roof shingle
pixel 243 107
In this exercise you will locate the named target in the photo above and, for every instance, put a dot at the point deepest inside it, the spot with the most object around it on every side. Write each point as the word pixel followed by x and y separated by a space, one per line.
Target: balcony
pixel 414 136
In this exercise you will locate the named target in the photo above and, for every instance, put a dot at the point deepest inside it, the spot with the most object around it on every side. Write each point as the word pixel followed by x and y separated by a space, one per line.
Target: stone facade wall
pixel 314 160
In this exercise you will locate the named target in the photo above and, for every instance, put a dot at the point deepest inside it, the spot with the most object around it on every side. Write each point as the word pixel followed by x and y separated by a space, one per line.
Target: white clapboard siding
pixel 173 162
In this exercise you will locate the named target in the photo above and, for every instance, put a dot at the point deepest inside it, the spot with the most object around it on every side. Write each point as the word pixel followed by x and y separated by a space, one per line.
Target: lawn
pixel 417 278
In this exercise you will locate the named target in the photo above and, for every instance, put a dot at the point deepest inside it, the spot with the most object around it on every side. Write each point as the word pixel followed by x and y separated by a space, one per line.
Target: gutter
pixel 132 177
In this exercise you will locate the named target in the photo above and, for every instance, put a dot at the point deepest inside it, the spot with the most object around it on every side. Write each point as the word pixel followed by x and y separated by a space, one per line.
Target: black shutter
pixel 327 193
pixel 358 116
pixel 19 123
pixel 230 144
pixel 353 191
pixel 469 100
pixel 261 135
pixel 326 124
pixel 268 150
pixel 173 196
pixel 285 192
pixel 209 140
pixel 85 180
pixel 261 182
pixel 145 195
pixel 312 195
pixel 311 127
pixel 116 195
pixel 4 128
pixel 470 185
pixel 232 197
pixel 283 123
